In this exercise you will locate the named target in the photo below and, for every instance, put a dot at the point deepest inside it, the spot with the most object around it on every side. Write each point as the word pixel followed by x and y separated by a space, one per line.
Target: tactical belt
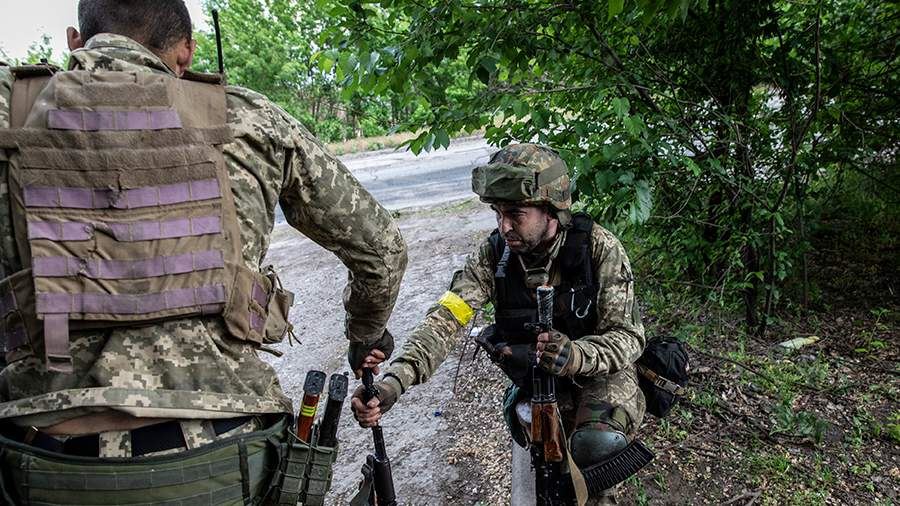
pixel 144 440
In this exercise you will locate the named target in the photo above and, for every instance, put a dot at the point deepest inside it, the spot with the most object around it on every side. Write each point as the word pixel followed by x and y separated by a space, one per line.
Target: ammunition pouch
pixel 307 473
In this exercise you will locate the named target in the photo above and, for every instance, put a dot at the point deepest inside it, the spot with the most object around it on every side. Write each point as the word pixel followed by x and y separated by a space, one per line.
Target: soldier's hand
pixel 369 413
pixel 555 353
pixel 372 361
pixel 370 355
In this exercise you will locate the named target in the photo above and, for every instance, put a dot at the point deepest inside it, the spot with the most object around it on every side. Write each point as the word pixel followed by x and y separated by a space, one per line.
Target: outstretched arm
pixel 323 200
pixel 431 342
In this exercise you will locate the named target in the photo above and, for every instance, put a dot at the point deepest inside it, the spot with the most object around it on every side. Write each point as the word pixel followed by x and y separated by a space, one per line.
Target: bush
pixel 332 130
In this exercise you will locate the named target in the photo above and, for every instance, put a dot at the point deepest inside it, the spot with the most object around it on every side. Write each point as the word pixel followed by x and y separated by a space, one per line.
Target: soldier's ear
pixel 184 55
pixel 73 37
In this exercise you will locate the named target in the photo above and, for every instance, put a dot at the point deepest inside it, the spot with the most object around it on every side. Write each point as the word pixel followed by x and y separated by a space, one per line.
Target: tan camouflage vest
pixel 123 213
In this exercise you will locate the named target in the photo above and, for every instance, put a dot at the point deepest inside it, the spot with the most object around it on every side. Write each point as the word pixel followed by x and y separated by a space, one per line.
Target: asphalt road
pixel 400 179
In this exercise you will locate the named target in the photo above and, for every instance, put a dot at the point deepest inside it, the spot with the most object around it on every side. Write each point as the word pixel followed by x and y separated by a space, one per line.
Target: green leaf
pixel 441 139
pixel 616 7
pixel 621 106
pixel 520 108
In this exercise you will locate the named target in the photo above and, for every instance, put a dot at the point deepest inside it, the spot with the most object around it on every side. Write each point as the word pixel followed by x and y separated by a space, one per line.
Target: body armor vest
pixel 122 211
pixel 516 304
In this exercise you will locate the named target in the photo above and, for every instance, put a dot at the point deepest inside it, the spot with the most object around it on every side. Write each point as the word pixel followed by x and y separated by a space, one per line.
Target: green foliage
pixel 798 423
pixel 716 133
pixel 39 51
pixel 270 47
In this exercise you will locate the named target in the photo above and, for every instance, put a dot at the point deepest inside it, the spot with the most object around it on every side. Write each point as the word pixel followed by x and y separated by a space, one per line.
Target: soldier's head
pixel 527 185
pixel 162 26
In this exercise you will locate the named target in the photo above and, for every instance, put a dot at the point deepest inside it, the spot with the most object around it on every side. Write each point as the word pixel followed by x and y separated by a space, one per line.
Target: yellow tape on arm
pixel 461 311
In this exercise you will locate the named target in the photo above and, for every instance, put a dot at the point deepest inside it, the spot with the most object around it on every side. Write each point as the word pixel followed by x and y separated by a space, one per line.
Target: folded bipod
pixel 377 488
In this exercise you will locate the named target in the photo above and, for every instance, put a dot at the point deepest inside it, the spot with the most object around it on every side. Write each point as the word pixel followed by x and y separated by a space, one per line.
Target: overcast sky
pixel 23 22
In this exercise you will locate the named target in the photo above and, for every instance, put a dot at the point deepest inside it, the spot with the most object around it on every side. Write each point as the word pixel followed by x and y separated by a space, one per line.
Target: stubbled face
pixel 525 228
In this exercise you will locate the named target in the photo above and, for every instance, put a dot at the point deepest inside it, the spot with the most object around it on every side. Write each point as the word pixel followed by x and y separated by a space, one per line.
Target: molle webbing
pixel 232 471
pixel 113 120
pixel 127 269
pixel 122 304
pixel 125 139
pixel 104 198
pixel 125 231
pixel 123 208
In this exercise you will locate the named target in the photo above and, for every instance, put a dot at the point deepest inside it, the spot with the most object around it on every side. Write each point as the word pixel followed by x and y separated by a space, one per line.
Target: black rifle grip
pixel 368 379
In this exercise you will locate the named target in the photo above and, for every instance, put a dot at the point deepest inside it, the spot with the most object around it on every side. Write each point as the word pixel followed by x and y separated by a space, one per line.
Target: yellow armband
pixel 461 311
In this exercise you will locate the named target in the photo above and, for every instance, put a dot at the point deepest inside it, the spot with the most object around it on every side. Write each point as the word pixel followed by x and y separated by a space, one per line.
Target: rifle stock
pixel 553 451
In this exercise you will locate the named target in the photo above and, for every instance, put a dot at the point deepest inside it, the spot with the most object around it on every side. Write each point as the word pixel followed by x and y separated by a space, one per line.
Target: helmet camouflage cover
pixel 524 173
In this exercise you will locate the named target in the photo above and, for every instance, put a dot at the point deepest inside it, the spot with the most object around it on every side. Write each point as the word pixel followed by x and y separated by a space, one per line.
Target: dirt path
pixel 416 430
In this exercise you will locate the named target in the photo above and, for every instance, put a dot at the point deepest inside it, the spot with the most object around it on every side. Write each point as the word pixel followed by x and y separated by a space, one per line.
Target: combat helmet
pixel 528 174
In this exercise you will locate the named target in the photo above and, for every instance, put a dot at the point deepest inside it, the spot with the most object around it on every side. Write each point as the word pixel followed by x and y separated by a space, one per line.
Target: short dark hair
pixel 157 24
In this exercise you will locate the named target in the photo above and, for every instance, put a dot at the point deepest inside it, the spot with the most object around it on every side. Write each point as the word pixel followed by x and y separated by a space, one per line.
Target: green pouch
pixel 235 470
pixel 511 397
pixel 307 473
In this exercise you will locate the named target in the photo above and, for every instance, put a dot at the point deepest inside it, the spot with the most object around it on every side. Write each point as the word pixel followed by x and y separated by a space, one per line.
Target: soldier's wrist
pixel 402 371
pixel 576 360
pixel 394 382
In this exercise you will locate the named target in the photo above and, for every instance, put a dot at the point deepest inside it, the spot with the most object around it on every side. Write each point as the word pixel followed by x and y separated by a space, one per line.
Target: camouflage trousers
pixel 609 401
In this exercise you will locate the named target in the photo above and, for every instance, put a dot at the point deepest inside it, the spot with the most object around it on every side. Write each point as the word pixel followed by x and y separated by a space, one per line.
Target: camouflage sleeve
pixel 619 338
pixel 321 199
pixel 431 342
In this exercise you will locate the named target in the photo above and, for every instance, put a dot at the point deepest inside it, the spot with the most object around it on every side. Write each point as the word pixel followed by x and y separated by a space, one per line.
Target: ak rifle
pixel 551 487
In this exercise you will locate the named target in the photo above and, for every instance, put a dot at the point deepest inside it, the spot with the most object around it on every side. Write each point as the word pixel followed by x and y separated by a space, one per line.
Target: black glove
pixel 559 357
pixel 357 352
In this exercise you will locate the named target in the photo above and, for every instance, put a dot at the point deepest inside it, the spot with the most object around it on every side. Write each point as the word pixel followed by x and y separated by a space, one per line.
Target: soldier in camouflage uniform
pixel 189 374
pixel 598 333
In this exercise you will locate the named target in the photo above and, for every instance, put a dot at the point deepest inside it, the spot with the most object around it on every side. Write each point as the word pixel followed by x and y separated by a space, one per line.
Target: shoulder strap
pixel 575 255
pixel 499 254
pixel 29 81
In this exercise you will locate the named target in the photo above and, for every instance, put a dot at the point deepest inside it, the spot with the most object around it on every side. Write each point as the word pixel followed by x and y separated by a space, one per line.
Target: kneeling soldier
pixel 597 334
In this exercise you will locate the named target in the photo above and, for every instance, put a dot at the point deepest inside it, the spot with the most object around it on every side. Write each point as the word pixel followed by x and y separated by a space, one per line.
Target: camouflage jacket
pixel 190 368
pixel 617 342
